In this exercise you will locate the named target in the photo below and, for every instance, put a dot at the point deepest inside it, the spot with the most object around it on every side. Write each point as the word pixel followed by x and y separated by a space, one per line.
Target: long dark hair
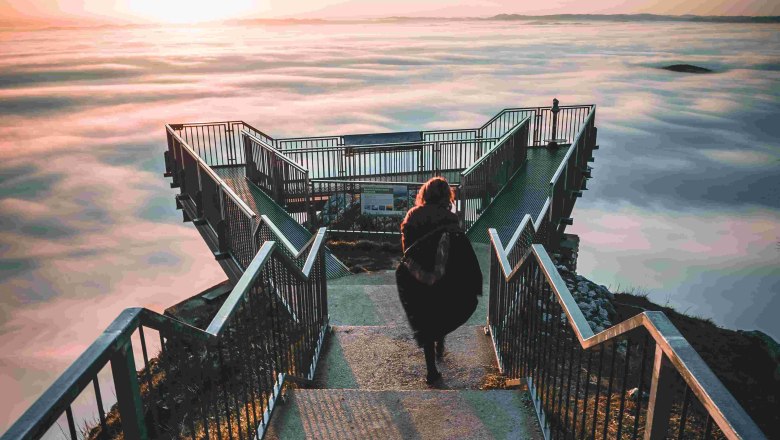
pixel 436 191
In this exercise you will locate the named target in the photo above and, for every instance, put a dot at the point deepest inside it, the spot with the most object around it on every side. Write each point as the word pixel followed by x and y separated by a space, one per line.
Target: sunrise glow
pixel 191 11
pixel 195 11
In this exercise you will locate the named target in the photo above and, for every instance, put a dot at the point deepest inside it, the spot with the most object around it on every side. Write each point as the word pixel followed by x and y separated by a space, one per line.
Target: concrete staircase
pixel 370 381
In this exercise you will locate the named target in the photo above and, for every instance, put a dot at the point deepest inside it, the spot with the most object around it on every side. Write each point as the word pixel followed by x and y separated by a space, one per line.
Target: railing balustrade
pixel 450 135
pixel 410 160
pixel 570 178
pixel 212 202
pixel 231 222
pixel 339 200
pixel 307 143
pixel 285 181
pixel 482 181
pixel 546 125
pixel 217 382
pixel 218 143
pixel 637 379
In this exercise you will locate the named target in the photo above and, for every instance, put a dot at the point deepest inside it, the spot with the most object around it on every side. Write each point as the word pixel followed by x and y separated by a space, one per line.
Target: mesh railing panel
pixel 212 142
pixel 449 135
pixel 599 392
pixel 285 181
pixel 219 143
pixel 239 232
pixel 481 182
pixel 542 128
pixel 210 200
pixel 523 244
pixel 322 163
pixel 190 184
pixel 308 143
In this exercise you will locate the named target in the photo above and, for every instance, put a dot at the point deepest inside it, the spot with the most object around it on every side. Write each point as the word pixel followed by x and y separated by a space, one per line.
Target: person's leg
pixel 440 348
pixel 430 363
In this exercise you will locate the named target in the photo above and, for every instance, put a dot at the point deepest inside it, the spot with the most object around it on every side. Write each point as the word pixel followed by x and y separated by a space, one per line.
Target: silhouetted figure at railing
pixel 439 277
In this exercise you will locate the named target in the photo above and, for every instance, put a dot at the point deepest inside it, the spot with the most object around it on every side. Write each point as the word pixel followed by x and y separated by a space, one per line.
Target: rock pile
pixel 594 300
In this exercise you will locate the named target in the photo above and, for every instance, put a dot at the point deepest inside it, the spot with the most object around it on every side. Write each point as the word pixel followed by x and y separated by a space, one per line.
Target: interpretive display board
pixel 384 200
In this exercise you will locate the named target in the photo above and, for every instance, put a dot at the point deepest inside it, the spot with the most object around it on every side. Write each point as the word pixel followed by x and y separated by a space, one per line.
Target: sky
pixel 205 10
pixel 684 201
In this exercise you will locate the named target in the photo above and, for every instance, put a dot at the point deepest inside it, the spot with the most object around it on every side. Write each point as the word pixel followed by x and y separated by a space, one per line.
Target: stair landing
pixel 370 379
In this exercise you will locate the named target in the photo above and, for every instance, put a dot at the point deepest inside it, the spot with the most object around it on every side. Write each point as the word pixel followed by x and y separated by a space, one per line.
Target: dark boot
pixel 430 363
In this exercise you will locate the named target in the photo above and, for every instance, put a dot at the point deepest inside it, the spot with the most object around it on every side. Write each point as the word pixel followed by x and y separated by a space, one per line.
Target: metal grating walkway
pixel 261 204
pixel 525 194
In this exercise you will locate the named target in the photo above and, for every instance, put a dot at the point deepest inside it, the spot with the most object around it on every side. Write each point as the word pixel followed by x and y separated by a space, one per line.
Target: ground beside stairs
pixel 370 381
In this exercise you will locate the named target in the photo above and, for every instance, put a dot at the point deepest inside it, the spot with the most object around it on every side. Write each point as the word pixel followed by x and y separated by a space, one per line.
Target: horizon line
pixel 82 22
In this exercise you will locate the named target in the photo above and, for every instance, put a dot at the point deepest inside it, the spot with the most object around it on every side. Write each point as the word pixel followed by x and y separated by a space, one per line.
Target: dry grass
pixel 194 391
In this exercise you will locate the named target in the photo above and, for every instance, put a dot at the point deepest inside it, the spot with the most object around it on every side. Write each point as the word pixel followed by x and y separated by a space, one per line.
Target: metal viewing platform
pixel 295 314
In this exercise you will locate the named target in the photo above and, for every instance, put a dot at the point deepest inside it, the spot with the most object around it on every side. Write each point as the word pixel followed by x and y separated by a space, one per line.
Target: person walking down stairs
pixel 438 278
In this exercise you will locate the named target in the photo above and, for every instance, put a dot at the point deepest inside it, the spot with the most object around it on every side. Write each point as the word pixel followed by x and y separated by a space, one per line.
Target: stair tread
pixel 378 304
pixel 387 358
pixel 404 414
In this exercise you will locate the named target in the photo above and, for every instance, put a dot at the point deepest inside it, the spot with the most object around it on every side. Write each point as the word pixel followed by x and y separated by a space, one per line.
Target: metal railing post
pixel 128 393
pixel 537 124
pixel 661 395
pixel 309 208
pixel 249 161
pixel 199 194
pixel 555 109
pixel 222 232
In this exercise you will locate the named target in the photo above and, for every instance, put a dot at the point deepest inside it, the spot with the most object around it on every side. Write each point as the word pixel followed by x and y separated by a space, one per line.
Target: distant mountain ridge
pixel 643 17
pixel 519 17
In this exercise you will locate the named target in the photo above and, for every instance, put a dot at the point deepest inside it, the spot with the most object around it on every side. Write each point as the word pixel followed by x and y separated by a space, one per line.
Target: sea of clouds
pixel 684 201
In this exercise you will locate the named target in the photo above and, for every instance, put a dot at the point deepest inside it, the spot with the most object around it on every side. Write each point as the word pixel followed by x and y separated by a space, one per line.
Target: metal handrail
pixel 198 124
pixel 313 149
pixel 204 166
pixel 374 182
pixel 230 305
pixel 451 130
pixel 339 138
pixel 719 403
pixel 391 145
pixel 572 147
pixel 114 340
pixel 416 143
pixel 520 109
pixel 311 138
pixel 278 152
pixel 295 253
pixel 542 213
pixel 498 144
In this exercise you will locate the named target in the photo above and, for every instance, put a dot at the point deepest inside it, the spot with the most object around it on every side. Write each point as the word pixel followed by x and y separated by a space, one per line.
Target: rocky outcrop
pixel 594 300
pixel 686 68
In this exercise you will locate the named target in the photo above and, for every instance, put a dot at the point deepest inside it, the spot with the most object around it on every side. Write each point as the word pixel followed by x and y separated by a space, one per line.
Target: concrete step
pixel 387 358
pixel 372 299
pixel 377 277
pixel 412 414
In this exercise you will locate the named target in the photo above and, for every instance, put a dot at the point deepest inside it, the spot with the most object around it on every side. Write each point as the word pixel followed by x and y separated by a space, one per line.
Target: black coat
pixel 436 303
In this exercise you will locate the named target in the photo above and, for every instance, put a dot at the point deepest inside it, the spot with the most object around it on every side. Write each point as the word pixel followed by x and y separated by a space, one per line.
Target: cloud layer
pixel 684 201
